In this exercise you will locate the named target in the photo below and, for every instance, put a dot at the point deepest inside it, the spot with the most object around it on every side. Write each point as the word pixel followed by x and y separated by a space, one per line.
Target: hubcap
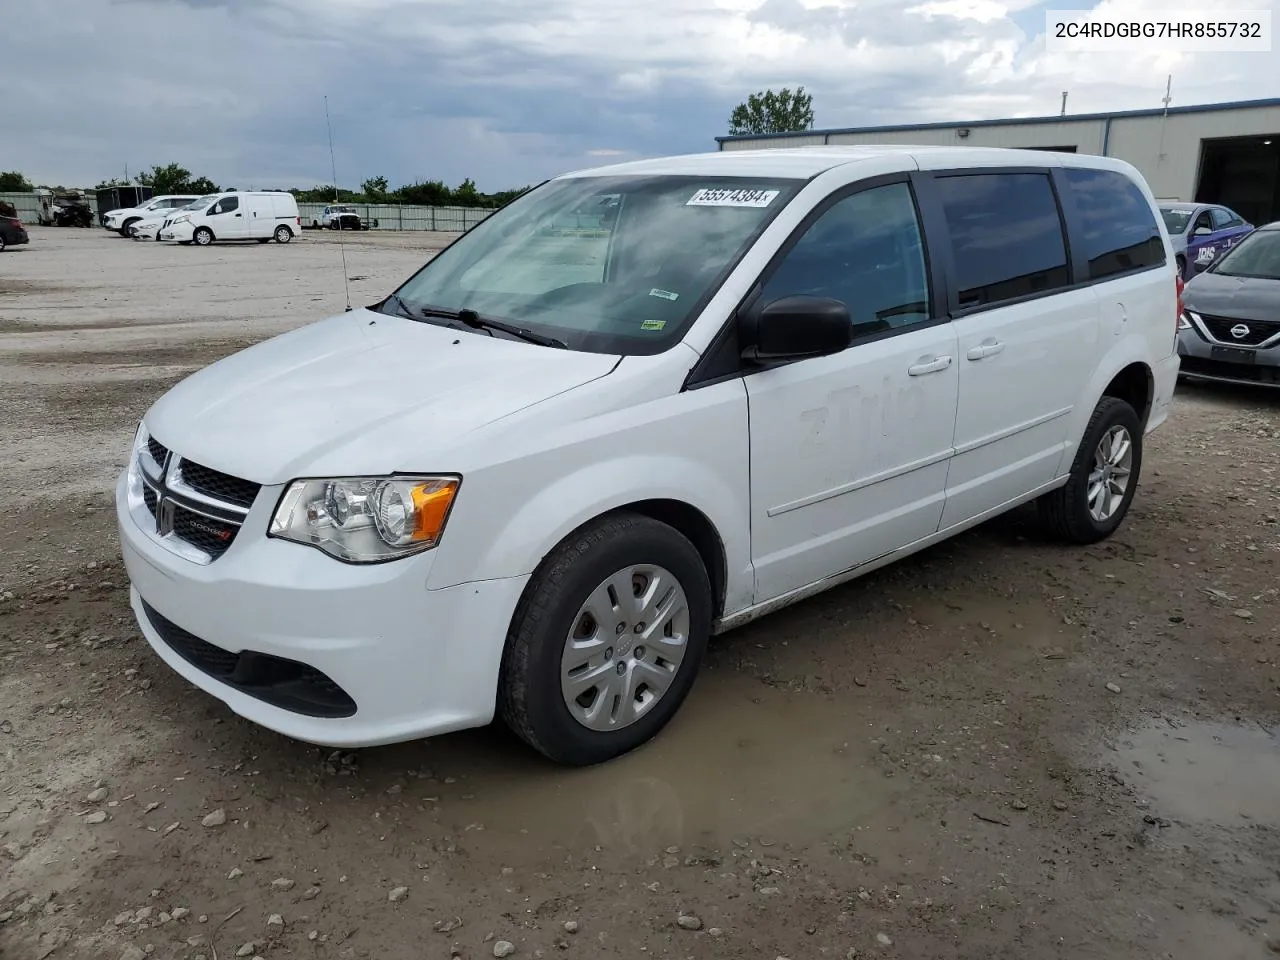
pixel 625 647
pixel 1109 479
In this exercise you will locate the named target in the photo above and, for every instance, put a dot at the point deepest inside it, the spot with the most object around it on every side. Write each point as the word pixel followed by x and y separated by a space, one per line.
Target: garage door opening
pixel 1242 173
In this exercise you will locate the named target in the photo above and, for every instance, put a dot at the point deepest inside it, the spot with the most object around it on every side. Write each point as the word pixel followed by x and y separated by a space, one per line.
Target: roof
pixel 805 162
pixel 1019 121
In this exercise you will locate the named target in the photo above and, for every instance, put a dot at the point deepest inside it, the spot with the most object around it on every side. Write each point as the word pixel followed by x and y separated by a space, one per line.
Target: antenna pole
pixel 1064 103
pixel 333 163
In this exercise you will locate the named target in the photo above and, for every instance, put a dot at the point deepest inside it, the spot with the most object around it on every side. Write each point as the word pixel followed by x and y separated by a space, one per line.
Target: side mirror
pixel 1202 232
pixel 794 328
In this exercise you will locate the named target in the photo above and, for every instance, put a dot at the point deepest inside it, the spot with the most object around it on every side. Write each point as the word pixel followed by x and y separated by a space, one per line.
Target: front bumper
pixel 269 625
pixel 180 232
pixel 1203 359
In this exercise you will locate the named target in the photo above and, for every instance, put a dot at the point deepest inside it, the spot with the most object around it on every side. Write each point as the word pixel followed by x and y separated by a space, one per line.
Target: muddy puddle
pixel 741 763
pixel 1204 772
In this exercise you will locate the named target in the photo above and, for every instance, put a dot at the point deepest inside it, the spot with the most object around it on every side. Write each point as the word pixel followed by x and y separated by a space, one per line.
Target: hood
pixel 360 393
pixel 1238 298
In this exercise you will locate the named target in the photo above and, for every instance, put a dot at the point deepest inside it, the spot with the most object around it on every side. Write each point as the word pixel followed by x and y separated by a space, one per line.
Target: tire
pixel 1066 512
pixel 124 227
pixel 532 700
pixel 202 237
pixel 283 234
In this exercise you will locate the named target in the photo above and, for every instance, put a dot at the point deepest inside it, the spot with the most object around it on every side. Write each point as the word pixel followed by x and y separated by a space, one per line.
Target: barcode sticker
pixel 725 197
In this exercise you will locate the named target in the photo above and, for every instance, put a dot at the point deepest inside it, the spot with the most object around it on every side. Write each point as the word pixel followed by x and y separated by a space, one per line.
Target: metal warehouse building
pixel 1225 153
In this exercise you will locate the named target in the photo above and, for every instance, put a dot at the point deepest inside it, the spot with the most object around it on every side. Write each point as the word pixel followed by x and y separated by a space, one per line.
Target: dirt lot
pixel 998 749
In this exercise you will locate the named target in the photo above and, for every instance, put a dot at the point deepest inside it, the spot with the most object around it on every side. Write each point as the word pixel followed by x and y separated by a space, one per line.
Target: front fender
pixel 511 514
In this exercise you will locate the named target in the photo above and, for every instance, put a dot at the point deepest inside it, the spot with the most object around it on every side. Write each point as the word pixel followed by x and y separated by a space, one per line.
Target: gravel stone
pixel 98 795
pixel 98 816
pixel 398 894
pixel 688 922
pixel 282 883
pixel 215 819
pixel 1113 687
pixel 504 948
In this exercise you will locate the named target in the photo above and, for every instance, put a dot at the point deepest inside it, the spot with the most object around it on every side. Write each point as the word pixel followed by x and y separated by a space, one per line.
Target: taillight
pixel 1177 319
pixel 299 219
pixel 18 223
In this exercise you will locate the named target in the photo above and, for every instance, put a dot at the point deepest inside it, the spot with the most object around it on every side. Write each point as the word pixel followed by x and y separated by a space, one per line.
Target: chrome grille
pixel 195 510
pixel 1254 332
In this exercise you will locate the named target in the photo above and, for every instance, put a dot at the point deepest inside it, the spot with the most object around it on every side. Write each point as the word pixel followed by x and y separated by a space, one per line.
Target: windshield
pixel 1256 256
pixel 1175 218
pixel 614 264
pixel 202 202
pixel 343 209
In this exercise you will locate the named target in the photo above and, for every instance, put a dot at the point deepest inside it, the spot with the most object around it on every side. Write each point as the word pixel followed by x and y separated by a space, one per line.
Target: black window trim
pixel 722 360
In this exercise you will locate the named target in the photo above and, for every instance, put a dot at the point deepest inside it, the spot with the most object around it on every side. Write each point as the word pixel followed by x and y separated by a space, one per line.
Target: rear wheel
pixel 283 234
pixel 202 237
pixel 1104 477
pixel 606 641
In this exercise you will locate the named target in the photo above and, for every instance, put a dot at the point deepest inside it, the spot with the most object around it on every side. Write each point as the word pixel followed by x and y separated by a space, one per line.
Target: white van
pixel 637 406
pixel 235 216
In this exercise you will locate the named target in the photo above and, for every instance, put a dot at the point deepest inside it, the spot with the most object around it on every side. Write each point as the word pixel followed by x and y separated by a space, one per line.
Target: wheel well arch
pixel 1135 385
pixel 686 520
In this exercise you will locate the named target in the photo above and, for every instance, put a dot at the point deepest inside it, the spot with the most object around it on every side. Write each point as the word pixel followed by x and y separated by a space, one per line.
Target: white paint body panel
pixel 809 473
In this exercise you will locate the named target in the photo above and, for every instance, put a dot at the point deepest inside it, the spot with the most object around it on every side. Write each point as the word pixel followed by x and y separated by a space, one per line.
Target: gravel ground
pixel 1000 748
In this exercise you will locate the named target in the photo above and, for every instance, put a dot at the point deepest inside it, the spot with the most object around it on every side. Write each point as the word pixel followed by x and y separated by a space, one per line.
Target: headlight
pixel 366 519
pixel 1184 321
pixel 182 219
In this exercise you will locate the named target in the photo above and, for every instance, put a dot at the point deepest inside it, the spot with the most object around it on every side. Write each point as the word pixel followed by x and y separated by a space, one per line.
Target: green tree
pixel 174 178
pixel 466 195
pixel 12 181
pixel 375 189
pixel 784 111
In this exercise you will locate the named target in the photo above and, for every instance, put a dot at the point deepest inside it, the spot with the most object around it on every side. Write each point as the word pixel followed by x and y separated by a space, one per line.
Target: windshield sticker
pixel 652 324
pixel 721 197
pixel 664 294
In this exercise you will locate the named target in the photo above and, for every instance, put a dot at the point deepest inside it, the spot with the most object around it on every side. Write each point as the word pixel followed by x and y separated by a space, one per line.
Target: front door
pixel 849 452
pixel 227 219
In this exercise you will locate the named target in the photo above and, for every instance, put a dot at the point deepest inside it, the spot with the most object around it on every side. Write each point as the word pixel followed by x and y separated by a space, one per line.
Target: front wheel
pixel 202 237
pixel 606 641
pixel 1103 479
pixel 283 234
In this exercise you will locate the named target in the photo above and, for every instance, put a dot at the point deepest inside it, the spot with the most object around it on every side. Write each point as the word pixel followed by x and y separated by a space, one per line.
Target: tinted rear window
pixel 1119 231
pixel 1006 236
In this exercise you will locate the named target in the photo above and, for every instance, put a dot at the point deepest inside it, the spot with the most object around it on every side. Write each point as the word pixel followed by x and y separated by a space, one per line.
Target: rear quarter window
pixel 1118 231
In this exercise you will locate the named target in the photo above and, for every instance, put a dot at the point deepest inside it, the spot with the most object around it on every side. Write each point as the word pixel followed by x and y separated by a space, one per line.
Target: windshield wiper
pixel 477 322
pixel 405 309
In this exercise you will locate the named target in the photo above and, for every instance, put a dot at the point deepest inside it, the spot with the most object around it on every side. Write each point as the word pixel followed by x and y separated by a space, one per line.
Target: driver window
pixel 1203 222
pixel 1222 219
pixel 865 251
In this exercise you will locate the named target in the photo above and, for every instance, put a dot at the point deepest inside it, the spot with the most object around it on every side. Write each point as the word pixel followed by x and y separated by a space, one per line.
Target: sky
pixel 509 92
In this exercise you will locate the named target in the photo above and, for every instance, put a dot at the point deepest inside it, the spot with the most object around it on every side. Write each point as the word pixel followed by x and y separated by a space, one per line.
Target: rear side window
pixel 1006 236
pixel 1119 231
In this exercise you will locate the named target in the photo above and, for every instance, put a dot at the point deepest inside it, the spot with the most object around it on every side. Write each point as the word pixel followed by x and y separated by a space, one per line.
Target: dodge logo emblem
pixel 1239 331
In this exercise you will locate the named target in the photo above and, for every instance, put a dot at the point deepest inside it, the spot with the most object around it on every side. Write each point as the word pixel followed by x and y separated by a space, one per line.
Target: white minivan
pixel 640 405
pixel 235 216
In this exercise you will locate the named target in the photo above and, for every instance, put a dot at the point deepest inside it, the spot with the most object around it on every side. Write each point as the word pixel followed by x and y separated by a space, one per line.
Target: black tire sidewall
pixel 285 233
pixel 1112 413
pixel 202 232
pixel 559 734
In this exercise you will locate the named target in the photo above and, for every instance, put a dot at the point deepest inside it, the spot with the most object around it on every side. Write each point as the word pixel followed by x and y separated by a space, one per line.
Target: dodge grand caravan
pixel 640 405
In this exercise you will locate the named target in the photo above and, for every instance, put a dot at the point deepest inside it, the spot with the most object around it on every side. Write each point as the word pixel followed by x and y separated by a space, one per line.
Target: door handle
pixel 237 214
pixel 927 365
pixel 988 348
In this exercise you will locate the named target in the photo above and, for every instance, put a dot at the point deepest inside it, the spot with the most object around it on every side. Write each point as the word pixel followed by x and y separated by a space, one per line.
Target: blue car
pixel 1202 232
